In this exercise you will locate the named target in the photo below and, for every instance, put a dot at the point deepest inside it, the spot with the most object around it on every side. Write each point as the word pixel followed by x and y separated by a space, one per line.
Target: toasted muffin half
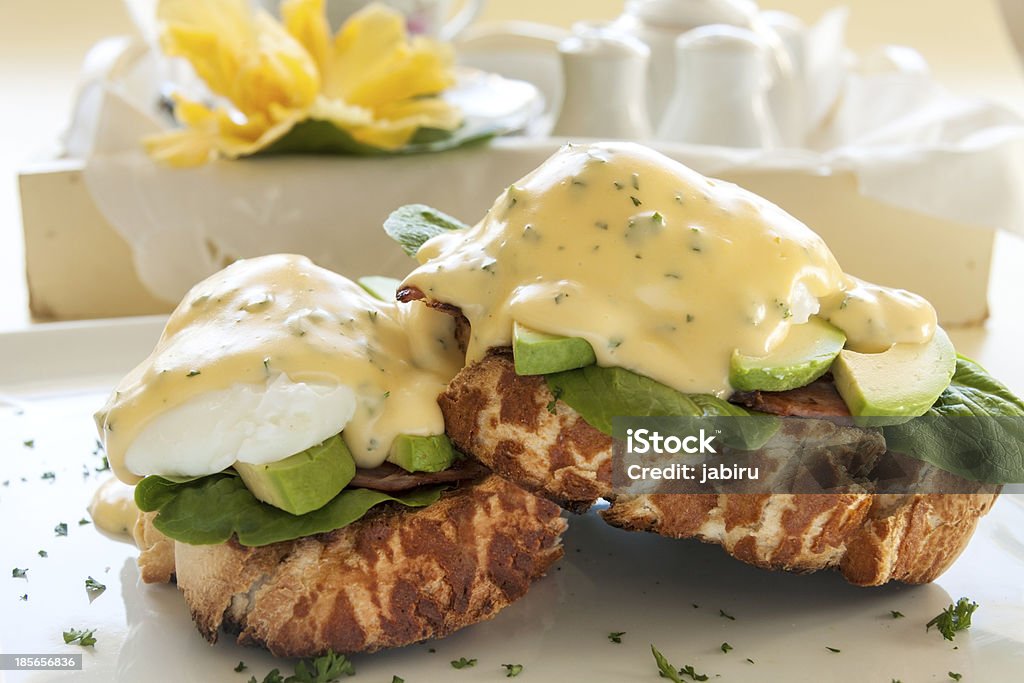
pixel 517 427
pixel 395 577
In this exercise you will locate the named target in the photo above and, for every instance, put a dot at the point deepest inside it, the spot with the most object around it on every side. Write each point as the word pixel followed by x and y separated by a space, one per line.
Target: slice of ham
pixel 391 478
pixel 817 399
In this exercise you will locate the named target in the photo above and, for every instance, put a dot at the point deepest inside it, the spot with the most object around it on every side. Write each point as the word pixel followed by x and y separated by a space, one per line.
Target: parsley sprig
pixel 512 670
pixel 666 670
pixel 325 669
pixel 462 663
pixel 954 618
pixel 94 588
pixel 85 638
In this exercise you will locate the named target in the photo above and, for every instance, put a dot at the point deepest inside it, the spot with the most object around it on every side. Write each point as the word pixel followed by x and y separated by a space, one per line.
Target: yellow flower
pixel 370 80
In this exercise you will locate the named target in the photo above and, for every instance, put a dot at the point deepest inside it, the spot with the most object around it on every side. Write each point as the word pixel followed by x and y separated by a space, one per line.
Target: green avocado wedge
pixel 380 287
pixel 803 356
pixel 302 482
pixel 903 381
pixel 422 453
pixel 538 353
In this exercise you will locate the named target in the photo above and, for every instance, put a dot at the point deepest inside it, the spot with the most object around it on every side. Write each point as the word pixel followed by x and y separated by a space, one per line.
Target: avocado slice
pixel 903 381
pixel 380 287
pixel 302 482
pixel 803 356
pixel 538 353
pixel 422 453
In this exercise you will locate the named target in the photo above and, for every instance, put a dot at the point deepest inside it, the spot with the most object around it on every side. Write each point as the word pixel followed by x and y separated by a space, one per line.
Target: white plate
pixel 609 580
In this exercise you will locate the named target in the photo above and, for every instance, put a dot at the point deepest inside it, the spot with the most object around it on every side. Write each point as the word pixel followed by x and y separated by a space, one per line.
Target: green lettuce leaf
pixel 601 394
pixel 212 509
pixel 414 224
pixel 974 430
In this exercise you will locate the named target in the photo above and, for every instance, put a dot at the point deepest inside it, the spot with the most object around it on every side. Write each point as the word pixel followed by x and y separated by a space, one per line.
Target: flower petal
pixel 306 22
pixel 246 57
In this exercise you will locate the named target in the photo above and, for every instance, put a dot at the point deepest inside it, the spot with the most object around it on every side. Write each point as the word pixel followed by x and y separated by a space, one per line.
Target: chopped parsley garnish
pixel 29 443
pixel 273 676
pixel 954 618
pixel 895 614
pixel 193 373
pixel 94 588
pixel 61 529
pixel 83 521
pixel 104 465
pixel 397 679
pixel 329 667
pixel 462 663
pixel 954 675
pixel 23 597
pixel 750 660
pixel 512 670
pixel 636 202
pixel 688 671
pixel 49 475
pixel 666 670
pixel 325 669
pixel 82 637
pixel 616 636
pixel 240 667
pixel 832 649
pixel 726 615
pixel 19 573
pixel 726 647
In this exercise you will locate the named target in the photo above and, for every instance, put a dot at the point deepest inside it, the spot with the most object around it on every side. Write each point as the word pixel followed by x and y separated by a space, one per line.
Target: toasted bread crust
pixel 156 551
pixel 504 420
pixel 514 426
pixel 396 577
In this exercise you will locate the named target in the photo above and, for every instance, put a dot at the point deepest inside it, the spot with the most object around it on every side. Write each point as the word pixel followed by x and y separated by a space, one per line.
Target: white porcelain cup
pixel 423 17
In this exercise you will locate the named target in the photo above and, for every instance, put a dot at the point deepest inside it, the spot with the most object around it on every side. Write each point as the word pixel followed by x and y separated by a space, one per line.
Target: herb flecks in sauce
pixel 741 257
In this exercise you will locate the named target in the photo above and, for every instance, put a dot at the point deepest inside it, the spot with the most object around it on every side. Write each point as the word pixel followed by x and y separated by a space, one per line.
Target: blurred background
pixel 968 43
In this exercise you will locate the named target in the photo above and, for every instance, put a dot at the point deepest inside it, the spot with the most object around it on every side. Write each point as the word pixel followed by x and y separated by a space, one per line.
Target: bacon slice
pixel 391 478
pixel 818 399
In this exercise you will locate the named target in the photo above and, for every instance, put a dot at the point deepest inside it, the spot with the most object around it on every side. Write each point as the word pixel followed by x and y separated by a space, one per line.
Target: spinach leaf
pixel 974 430
pixel 413 224
pixel 212 509
pixel 601 394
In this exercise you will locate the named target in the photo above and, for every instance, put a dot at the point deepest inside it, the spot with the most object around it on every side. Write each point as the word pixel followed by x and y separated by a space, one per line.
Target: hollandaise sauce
pixel 113 508
pixel 663 271
pixel 269 357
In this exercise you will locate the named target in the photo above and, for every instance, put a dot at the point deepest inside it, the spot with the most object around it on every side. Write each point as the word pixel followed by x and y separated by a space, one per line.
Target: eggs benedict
pixel 289 459
pixel 613 281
